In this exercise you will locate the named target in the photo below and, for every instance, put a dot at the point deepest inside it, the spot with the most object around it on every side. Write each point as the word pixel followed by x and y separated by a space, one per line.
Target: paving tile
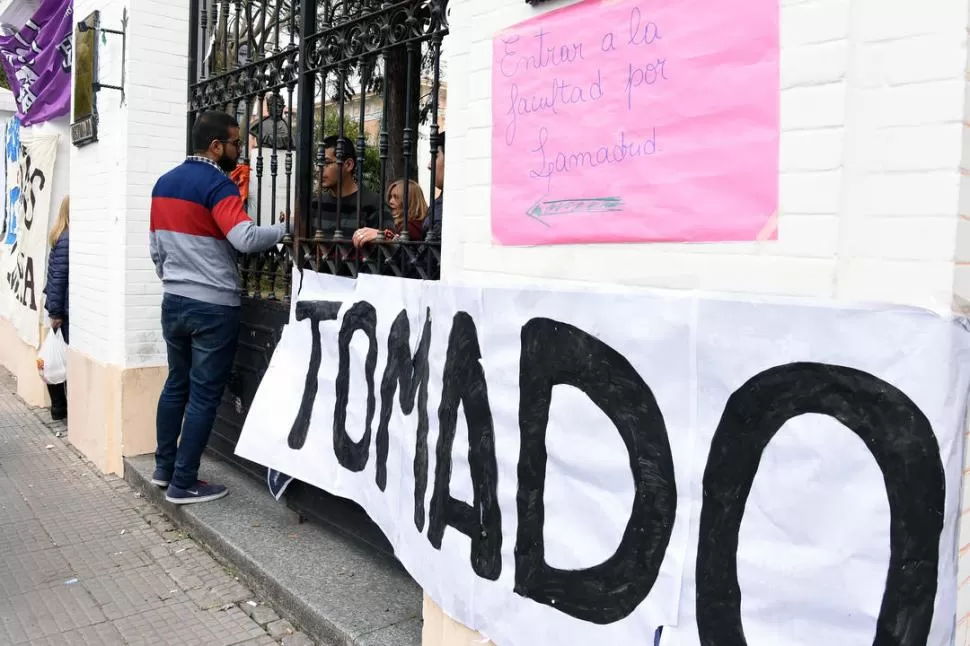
pixel 86 561
pixel 12 448
pixel 133 591
pixel 219 595
pixel 77 481
pixel 186 625
pixel 22 572
pixel 93 559
pixel 27 534
pixel 261 614
pixel 103 634
pixel 76 526
pixel 22 454
pixel 234 621
pixel 13 508
pixel 46 502
pixel 158 522
pixel 279 629
pixel 296 639
pixel 265 640
pixel 207 582
pixel 46 612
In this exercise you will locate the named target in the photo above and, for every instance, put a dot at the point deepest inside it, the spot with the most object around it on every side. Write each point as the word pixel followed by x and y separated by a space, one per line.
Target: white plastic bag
pixel 52 360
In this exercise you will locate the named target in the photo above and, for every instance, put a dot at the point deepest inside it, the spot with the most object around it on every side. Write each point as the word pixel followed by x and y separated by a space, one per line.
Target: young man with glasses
pixel 198 225
pixel 339 183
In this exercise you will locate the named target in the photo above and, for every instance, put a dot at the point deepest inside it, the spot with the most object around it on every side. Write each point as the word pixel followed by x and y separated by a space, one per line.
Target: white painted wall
pixel 874 198
pixel 8 105
pixel 97 198
pixel 157 103
pixel 115 294
pixel 872 116
pixel 15 13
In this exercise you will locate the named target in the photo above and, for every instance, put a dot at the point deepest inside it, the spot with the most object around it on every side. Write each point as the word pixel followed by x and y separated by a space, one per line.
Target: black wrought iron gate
pixel 295 72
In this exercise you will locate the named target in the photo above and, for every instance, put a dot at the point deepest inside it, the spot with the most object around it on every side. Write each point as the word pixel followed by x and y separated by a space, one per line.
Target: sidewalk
pixel 86 560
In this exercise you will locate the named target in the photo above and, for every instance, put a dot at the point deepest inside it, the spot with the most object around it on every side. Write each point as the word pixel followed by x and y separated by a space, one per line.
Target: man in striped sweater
pixel 198 225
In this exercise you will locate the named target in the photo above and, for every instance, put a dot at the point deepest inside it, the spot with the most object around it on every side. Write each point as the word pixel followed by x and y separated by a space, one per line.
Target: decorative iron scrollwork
pixel 274 73
pixel 383 26
pixel 254 59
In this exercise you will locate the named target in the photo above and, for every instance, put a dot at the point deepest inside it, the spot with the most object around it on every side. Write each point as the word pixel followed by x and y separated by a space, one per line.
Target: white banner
pixel 8 221
pixel 598 468
pixel 23 274
pixel 8 231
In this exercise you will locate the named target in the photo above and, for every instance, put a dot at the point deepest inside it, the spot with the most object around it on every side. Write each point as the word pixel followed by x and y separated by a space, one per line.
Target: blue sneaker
pixel 202 492
pixel 161 478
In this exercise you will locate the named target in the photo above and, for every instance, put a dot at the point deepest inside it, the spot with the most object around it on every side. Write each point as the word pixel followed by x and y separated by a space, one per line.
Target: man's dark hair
pixel 441 140
pixel 211 126
pixel 349 151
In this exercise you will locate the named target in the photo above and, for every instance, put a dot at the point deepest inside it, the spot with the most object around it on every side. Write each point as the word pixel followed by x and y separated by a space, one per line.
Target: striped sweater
pixel 198 225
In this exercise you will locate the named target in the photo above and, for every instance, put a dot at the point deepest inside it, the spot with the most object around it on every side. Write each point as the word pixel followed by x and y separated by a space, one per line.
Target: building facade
pixel 874 197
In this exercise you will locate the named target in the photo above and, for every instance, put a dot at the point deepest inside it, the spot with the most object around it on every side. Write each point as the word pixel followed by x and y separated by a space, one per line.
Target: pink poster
pixel 635 121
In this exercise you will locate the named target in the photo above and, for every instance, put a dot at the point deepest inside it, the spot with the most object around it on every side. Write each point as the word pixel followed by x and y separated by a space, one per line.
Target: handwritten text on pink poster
pixel 637 120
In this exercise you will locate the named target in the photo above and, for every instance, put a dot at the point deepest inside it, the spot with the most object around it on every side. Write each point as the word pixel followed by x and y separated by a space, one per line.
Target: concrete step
pixel 332 588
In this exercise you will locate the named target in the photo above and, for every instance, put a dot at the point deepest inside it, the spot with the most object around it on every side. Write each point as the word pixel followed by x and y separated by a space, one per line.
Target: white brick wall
pixel 156 125
pixel 872 111
pixel 874 183
pixel 97 210
pixel 115 294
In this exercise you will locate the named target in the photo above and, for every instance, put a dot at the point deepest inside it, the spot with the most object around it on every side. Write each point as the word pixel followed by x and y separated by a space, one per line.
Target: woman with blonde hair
pixel 417 211
pixel 56 292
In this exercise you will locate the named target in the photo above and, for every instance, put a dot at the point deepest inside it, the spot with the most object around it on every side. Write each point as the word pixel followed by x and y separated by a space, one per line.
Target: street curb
pixel 299 568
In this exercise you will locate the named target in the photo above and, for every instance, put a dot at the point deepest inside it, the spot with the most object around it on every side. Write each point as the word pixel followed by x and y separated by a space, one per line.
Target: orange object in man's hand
pixel 240 177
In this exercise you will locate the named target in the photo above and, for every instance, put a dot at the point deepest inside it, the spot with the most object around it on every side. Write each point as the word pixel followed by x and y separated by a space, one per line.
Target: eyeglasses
pixel 234 142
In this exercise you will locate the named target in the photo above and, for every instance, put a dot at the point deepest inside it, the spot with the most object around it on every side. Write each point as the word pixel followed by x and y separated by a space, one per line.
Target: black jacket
pixel 57 273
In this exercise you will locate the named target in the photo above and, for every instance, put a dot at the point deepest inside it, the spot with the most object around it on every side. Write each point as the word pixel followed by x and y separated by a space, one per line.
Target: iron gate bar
pixel 193 68
pixel 342 48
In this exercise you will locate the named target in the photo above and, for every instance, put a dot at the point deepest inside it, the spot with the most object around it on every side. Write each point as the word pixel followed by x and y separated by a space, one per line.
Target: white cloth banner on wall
pixel 7 220
pixel 8 231
pixel 584 468
pixel 24 271
pixel 11 186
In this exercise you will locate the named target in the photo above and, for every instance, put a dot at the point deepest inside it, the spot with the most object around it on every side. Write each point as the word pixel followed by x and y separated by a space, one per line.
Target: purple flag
pixel 37 60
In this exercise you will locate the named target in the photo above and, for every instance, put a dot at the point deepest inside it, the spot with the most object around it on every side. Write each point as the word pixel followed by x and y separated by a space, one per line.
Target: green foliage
pixel 372 156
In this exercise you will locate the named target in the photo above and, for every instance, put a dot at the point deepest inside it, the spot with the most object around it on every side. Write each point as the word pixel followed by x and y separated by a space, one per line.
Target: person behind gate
pixel 198 224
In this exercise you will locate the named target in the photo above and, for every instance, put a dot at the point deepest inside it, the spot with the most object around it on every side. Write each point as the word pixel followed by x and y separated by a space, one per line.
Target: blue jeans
pixel 201 339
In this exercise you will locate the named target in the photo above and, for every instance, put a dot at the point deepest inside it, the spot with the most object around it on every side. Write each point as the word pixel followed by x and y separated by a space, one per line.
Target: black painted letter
pixel 411 373
pixel 29 285
pixel 557 353
pixel 464 383
pixel 900 439
pixel 316 311
pixel 353 455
